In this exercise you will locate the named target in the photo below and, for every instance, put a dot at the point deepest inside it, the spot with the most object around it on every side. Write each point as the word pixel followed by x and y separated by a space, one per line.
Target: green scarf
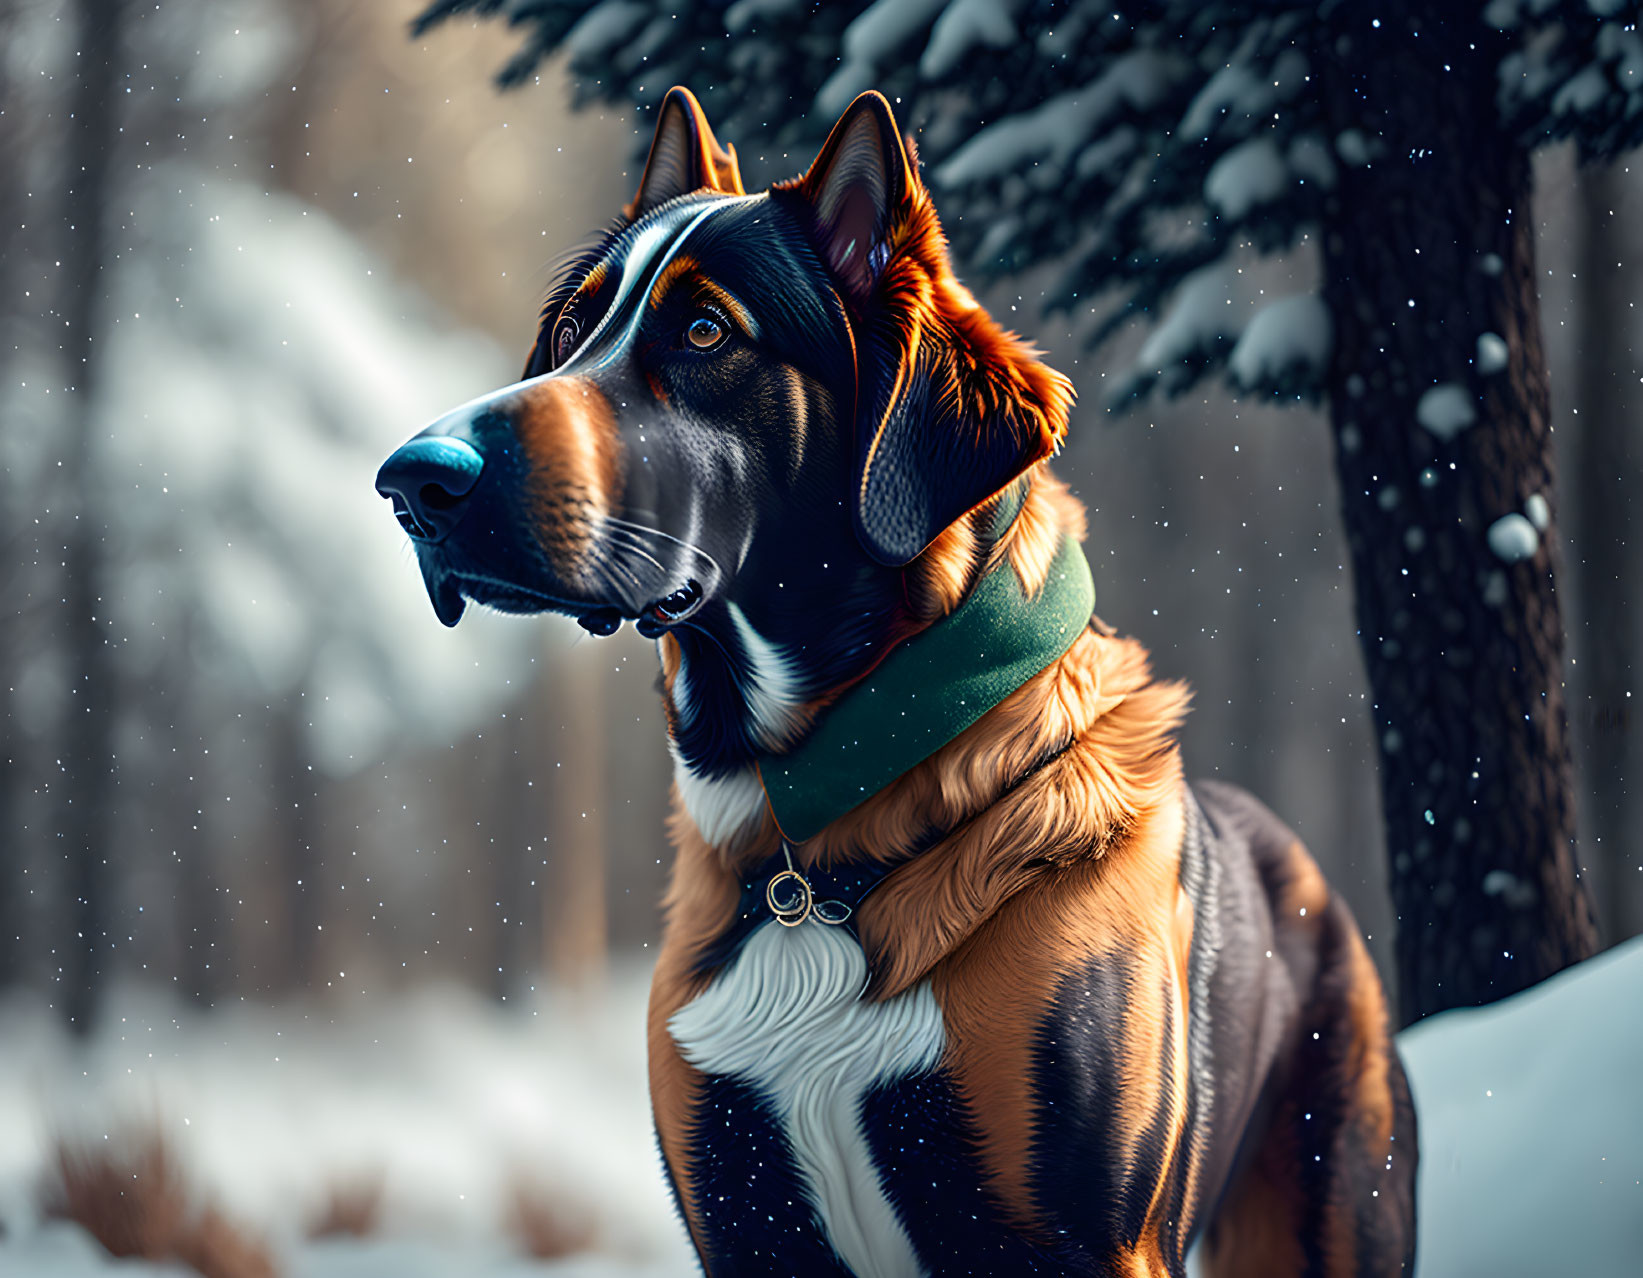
pixel 928 690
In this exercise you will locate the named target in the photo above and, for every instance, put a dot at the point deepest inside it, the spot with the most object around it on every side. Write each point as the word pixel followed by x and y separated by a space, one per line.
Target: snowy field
pixel 1531 1129
pixel 450 1102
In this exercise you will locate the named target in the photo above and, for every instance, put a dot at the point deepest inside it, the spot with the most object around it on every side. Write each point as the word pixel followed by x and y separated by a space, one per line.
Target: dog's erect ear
pixel 950 408
pixel 684 157
pixel 859 186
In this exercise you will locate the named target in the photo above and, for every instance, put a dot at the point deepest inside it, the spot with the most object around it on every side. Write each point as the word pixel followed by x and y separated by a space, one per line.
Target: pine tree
pixel 1144 152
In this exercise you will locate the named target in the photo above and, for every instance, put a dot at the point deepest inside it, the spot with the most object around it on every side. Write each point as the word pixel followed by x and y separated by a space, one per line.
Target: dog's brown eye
pixel 705 333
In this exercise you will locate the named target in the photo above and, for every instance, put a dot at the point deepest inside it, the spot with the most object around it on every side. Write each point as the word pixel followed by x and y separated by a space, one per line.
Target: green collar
pixel 927 691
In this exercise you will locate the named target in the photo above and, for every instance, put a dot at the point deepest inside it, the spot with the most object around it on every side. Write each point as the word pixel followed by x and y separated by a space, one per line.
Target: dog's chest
pixel 785 1019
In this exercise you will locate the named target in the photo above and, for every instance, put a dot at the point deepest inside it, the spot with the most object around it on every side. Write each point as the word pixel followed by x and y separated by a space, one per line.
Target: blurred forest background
pixel 313 235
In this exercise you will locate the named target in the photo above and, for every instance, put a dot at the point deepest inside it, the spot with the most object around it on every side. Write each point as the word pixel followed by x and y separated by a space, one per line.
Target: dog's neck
pixel 735 698
pixel 810 616
pixel 1077 764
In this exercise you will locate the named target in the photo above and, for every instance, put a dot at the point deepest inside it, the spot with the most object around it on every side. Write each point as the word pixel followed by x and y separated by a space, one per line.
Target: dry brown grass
pixel 549 1224
pixel 353 1208
pixel 129 1194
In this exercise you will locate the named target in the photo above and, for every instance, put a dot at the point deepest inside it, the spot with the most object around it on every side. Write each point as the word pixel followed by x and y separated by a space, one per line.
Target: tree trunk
pixel 1426 249
pixel 86 781
pixel 296 852
pixel 575 910
pixel 13 858
pixel 507 855
pixel 1607 461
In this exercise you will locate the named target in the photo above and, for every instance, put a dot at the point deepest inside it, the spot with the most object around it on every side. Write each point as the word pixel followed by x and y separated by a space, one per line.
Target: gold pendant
pixel 792 900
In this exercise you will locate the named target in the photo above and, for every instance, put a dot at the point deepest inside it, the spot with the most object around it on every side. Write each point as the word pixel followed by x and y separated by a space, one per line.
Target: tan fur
pixel 1305 893
pixel 682 265
pixel 1366 1007
pixel 996 987
pixel 1079 859
pixel 568 433
pixel 990 375
pixel 700 903
pixel 1257 1230
pixel 685 267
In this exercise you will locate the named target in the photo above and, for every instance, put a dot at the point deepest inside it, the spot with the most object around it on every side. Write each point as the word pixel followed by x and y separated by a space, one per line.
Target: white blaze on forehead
pixel 643 263
pixel 787 1017
pixel 635 267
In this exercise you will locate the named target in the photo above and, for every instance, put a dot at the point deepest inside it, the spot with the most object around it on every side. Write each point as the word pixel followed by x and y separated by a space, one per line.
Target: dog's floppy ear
pixel 950 408
pixel 684 157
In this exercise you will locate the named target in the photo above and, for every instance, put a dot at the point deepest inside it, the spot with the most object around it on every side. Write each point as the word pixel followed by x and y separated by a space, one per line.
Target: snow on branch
pixel 1577 72
pixel 1195 333
pixel 1062 125
pixel 870 42
pixel 966 24
pixel 1285 349
pixel 1127 147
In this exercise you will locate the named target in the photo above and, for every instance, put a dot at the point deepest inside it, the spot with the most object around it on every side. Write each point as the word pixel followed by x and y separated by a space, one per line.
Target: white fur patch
pixel 721 809
pixel 770 688
pixel 787 1017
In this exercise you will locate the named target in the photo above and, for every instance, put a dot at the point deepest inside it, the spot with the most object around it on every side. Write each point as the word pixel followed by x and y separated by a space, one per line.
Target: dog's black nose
pixel 428 480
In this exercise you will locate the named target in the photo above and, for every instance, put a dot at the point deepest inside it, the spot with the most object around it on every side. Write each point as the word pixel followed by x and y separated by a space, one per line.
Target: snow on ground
pixel 1531 1118
pixel 1531 1128
pixel 452 1100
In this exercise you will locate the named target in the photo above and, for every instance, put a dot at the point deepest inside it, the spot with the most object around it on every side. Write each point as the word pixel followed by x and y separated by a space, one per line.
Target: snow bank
pixel 1531 1128
pixel 60 1250
pixel 455 1101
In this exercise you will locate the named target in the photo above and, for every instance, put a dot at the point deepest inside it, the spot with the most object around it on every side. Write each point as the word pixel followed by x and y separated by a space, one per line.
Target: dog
pixel 959 975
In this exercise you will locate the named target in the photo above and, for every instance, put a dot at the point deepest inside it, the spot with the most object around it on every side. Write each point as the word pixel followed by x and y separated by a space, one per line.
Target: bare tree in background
pixel 85 786
pixel 13 143
pixel 1607 478
pixel 575 914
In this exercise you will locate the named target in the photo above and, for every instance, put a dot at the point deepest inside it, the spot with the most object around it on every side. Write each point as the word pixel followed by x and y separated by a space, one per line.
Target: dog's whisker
pixel 647 531
pixel 610 569
pixel 632 544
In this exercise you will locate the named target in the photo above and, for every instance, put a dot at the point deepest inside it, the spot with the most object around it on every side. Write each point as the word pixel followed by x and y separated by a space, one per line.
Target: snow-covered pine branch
pixel 1131 148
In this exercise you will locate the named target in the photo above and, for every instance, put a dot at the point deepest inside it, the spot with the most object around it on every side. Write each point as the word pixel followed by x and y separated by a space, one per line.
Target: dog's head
pixel 744 421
